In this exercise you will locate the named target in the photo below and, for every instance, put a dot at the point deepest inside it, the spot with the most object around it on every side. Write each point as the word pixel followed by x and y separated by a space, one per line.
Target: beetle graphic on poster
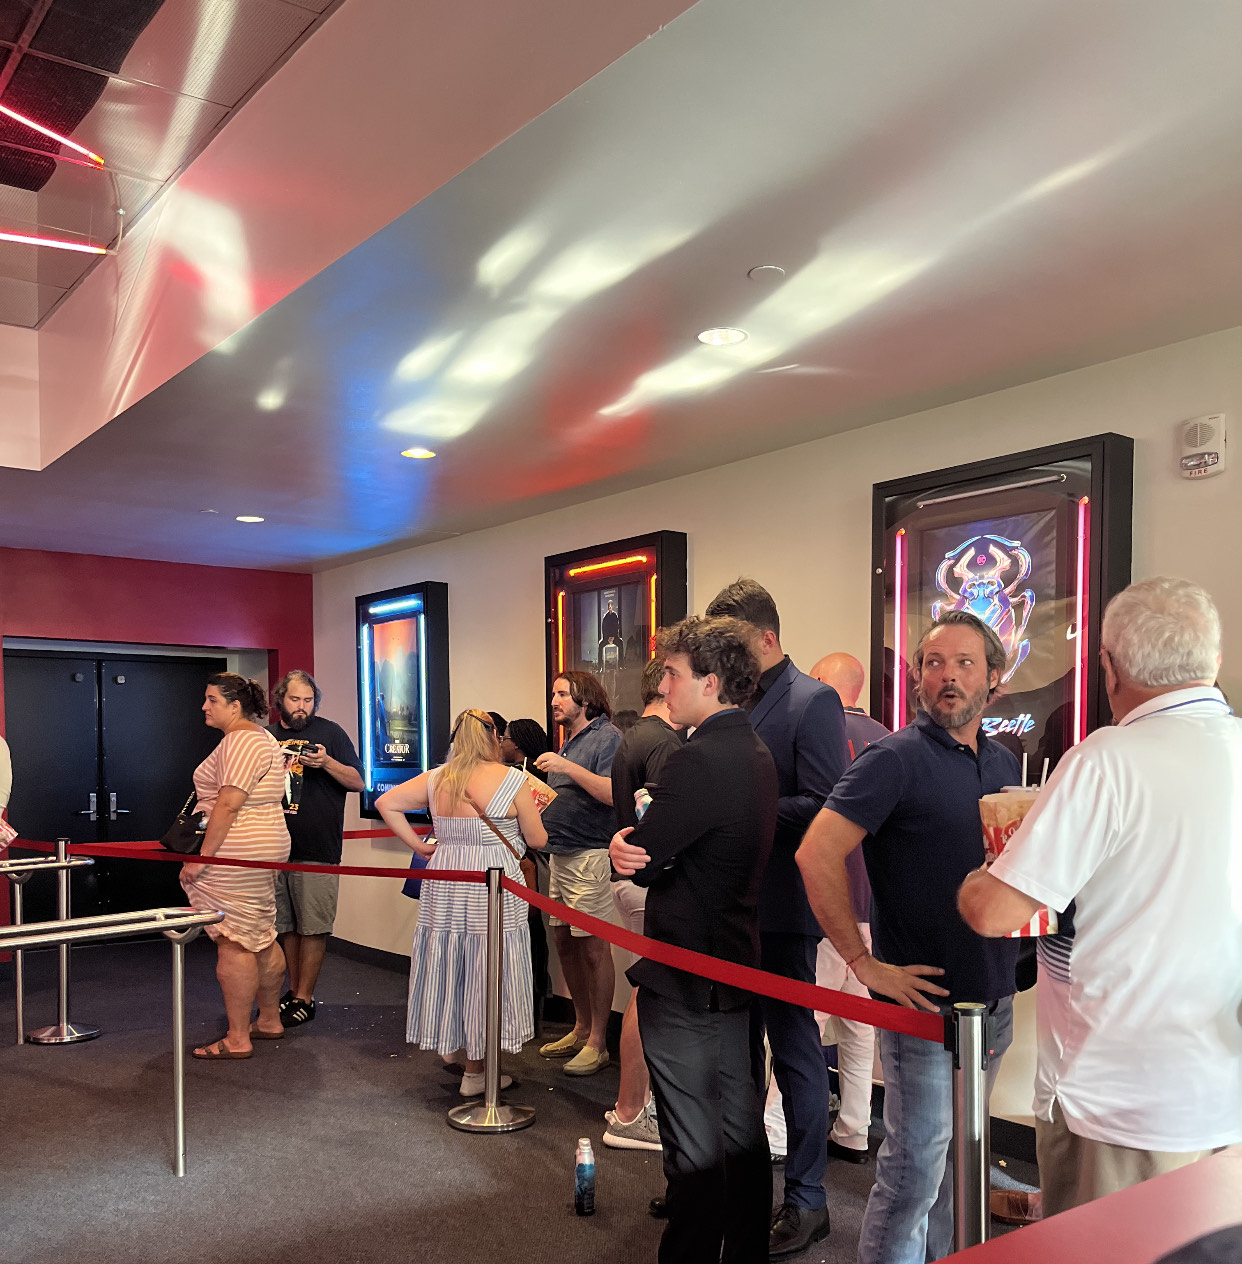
pixel 981 566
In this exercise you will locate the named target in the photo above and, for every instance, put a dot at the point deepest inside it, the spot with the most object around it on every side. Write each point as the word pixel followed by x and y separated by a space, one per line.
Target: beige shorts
pixel 582 881
pixel 631 902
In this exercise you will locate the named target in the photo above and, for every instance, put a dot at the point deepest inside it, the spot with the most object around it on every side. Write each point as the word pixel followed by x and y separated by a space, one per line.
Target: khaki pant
pixel 1074 1170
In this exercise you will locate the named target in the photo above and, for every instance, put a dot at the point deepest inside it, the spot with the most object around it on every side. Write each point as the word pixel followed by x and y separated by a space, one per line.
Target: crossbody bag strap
pixel 487 820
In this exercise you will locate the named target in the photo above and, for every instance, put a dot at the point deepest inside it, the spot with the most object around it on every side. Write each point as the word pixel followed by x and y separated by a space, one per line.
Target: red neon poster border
pixel 899 632
pixel 1081 674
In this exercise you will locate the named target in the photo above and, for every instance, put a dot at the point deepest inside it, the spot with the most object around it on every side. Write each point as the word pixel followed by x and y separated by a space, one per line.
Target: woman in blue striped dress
pixel 448 959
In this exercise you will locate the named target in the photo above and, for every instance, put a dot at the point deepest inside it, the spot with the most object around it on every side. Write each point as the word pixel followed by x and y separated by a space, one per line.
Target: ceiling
pixel 962 196
pixel 145 84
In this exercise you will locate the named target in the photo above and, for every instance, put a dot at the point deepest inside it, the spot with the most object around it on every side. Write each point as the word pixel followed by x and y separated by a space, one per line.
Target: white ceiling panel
pixel 960 198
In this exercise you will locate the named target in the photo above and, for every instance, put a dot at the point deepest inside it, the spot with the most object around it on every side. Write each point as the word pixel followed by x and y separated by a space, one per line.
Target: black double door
pixel 103 750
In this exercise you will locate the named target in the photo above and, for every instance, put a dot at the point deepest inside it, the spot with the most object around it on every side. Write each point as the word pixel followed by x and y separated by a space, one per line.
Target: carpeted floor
pixel 330 1145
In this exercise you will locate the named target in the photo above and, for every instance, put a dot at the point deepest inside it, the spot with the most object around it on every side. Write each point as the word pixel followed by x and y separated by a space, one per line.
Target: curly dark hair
pixel 715 647
pixel 748 600
pixel 587 691
pixel 529 737
pixel 235 688
pixel 653 673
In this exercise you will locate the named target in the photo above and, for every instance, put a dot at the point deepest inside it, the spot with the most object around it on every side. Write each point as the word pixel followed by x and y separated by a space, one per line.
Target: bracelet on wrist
pixel 849 965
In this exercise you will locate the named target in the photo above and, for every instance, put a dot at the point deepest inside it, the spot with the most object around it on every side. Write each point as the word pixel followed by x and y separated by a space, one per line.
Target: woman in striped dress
pixel 448 958
pixel 240 785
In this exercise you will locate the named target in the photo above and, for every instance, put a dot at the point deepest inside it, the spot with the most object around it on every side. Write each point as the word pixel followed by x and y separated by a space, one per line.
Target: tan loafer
pixel 565 1047
pixel 1016 1206
pixel 587 1062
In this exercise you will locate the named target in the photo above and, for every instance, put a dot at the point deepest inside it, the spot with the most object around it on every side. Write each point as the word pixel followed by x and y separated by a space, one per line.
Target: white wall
pixel 799 521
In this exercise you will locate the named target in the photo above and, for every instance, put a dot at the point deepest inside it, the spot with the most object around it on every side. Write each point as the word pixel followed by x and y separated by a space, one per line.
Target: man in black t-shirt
pixel 321 767
pixel 636 765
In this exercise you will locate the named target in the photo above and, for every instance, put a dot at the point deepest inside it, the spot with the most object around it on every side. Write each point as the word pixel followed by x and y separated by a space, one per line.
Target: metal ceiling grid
pixel 146 84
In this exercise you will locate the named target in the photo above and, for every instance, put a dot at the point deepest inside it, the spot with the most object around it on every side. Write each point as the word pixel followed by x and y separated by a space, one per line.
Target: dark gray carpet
pixel 330 1145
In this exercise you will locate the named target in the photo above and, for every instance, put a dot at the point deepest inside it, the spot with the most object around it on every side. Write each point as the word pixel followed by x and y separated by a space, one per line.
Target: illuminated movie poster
pixel 1005 571
pixel 395 676
pixel 1020 543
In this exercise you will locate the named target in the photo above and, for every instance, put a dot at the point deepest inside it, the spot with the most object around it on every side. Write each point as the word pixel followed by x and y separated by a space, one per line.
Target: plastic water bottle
pixel 584 1178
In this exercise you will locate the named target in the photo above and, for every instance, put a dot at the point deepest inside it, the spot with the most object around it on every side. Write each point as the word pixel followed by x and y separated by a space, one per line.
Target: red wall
pixel 80 597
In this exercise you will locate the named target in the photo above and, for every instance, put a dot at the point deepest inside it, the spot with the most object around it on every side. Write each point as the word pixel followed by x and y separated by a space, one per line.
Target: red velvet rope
pixel 153 851
pixel 910 1022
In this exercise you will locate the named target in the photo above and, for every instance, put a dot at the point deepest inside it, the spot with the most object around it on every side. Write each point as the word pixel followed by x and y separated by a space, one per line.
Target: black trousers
pixel 711 1127
pixel 798 1064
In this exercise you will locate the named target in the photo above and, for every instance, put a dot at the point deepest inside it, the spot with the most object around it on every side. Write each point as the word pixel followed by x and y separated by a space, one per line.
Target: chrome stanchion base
pixel 62 1034
pixel 480 1117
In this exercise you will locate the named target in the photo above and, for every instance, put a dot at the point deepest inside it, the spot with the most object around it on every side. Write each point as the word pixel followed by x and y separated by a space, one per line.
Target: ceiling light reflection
pixel 427 358
pixel 504 262
pixel 418 454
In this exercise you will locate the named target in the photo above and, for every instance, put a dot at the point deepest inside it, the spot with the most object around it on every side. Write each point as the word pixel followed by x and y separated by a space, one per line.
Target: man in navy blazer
pixel 802 723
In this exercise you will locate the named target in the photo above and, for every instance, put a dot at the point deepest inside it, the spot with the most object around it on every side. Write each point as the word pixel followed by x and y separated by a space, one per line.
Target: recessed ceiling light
pixel 210 511
pixel 766 272
pixel 723 337
pixel 419 454
pixel 248 518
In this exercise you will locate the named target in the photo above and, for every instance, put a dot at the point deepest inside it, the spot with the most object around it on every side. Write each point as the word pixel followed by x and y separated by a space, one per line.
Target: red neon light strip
pixel 899 632
pixel 47 131
pixel 560 630
pixel 25 240
pixel 1080 616
pixel 607 566
pixel 653 617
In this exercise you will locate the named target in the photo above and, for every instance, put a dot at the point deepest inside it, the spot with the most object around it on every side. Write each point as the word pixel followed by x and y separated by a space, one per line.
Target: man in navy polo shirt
pixel 912 800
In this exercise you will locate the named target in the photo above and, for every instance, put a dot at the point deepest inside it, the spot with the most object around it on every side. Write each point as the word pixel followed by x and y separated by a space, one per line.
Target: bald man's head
pixel 844 673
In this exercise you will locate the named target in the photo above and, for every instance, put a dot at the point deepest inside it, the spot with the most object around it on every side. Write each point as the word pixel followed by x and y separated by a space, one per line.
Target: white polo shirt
pixel 1140 1032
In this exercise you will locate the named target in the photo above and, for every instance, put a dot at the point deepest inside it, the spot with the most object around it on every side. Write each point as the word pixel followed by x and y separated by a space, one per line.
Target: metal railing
pixel 18 872
pixel 178 925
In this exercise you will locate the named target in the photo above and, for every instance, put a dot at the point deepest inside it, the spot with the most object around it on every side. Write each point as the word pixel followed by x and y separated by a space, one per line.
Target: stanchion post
pixel 179 939
pixel 970 1126
pixel 492 1115
pixel 16 882
pixel 63 1032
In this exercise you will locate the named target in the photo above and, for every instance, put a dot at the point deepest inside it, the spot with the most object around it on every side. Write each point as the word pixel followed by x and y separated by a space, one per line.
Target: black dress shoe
pixel 795 1228
pixel 838 1151
pixel 658 1208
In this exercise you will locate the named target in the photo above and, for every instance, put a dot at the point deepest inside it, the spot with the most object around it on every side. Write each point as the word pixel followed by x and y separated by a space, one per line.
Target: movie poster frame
pixel 435 682
pixel 672 589
pixel 1111 502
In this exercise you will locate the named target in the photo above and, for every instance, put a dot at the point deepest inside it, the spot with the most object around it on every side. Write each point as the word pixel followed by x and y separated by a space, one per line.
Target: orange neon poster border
pixel 605 566
pixel 653 614
pixel 560 629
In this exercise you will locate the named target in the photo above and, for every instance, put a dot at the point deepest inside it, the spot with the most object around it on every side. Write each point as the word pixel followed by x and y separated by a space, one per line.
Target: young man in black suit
pixel 802 723
pixel 701 849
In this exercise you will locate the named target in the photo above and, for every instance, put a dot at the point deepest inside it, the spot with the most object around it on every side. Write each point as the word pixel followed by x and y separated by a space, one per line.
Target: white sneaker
pixel 473 1085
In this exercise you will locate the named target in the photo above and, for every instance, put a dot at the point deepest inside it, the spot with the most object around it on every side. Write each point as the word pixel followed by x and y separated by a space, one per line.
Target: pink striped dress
pixel 251 760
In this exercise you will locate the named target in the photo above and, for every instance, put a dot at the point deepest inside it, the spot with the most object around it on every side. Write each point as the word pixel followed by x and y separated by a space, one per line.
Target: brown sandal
pixel 218 1052
pixel 257 1033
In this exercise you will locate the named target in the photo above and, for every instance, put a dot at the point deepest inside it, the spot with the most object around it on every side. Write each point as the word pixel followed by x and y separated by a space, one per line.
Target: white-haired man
pixel 1140 1044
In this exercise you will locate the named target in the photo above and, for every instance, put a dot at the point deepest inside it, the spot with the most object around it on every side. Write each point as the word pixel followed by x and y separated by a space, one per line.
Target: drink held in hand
pixel 1001 815
pixel 584 1178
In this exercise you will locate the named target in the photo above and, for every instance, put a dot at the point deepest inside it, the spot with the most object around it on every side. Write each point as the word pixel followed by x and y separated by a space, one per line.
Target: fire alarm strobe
pixel 1203 446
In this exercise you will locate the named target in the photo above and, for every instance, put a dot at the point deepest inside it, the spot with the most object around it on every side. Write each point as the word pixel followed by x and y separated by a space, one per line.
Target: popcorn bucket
pixel 1001 815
